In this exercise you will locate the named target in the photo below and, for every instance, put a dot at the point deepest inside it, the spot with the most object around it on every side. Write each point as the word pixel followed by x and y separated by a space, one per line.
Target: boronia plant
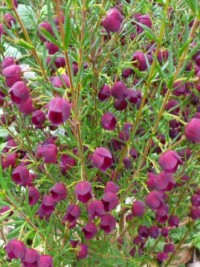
pixel 99 132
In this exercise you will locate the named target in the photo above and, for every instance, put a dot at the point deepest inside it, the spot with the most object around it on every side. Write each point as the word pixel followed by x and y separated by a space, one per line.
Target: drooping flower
pixel 112 21
pixel 102 159
pixel 83 191
pixel 59 110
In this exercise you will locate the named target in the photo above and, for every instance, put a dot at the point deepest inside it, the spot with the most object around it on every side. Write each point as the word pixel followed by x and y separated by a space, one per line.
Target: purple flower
pixel 45 260
pixel 162 256
pixel 132 96
pixel 46 208
pixel 48 152
pixel 112 187
pixel 163 181
pixel 139 60
pixel 82 251
pixel 90 230
pixel 9 160
pixel 162 214
pixel 20 175
pixel 19 93
pixel 169 161
pixel 192 130
pixel 38 118
pixel 52 48
pixel 83 191
pixel 104 93
pixel 66 163
pixel 31 258
pixel 119 90
pixel 173 221
pixel 110 201
pixel 165 231
pixel 47 26
pixel 15 249
pixel 26 107
pixel 154 200
pixel 33 195
pixel 7 61
pixel 72 213
pixel 102 159
pixel 108 121
pixel 112 21
pixel 195 213
pixel 95 208
pixel 143 231
pixel 108 223
pixel 58 192
pixel 120 104
pixel 61 81
pixel 169 247
pixel 138 208
pixel 59 110
pixel 173 107
pixel 142 19
pixel 9 20
pixel 12 71
pixel 154 232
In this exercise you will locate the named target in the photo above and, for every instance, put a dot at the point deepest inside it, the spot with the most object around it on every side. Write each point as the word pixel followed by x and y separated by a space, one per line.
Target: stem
pixel 76 125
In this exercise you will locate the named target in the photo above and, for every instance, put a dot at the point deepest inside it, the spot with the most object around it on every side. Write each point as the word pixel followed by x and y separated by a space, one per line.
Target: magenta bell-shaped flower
pixel 169 247
pixel 104 93
pixel 45 261
pixel 31 258
pixel 112 187
pixel 153 232
pixel 8 61
pixel 9 20
pixel 102 159
pixel 47 207
pixel 139 60
pixel 20 175
pixel 73 212
pixel 47 26
pixel 33 195
pixel 192 130
pixel 19 93
pixel 95 208
pixel 52 48
pixel 59 110
pixel 154 200
pixel 169 161
pixel 83 191
pixel 112 21
pixel 138 208
pixel 38 118
pixel 119 90
pixel 110 201
pixel 15 249
pixel 108 223
pixel 108 121
pixel 66 163
pixel 82 251
pixel 58 192
pixel 26 107
pixel 9 160
pixel 61 81
pixel 48 152
pixel 90 230
pixel 12 74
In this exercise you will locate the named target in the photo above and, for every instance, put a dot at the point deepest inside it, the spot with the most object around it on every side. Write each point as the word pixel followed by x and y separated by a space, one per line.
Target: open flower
pixel 102 159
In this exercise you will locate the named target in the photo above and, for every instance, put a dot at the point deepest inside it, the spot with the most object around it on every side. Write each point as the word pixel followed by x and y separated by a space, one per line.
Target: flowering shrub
pixel 99 132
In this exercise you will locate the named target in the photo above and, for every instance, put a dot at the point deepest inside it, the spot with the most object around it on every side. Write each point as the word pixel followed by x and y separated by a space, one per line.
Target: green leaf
pixel 49 37
pixel 24 44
